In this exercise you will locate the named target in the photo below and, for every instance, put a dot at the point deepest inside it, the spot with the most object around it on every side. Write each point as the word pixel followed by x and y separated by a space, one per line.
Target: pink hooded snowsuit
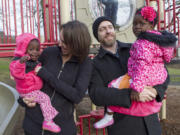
pixel 28 84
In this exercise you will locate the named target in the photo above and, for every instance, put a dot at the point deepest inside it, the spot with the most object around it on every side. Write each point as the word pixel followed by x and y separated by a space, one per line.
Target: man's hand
pixel 148 94
pixel 151 89
pixel 29 102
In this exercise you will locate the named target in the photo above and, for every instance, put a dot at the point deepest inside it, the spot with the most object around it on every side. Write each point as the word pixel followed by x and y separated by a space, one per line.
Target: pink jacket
pixel 146 63
pixel 25 82
pixel 146 68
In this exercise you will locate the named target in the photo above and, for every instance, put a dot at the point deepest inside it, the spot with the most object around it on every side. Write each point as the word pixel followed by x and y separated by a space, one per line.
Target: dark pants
pixel 26 133
pixel 43 133
pixel 132 125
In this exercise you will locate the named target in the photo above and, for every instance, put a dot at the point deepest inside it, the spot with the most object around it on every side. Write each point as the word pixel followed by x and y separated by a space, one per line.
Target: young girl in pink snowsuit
pixel 28 84
pixel 145 65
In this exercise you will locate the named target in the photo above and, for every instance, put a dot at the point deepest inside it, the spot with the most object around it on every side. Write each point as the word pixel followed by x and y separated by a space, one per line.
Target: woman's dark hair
pixel 77 38
pixel 138 12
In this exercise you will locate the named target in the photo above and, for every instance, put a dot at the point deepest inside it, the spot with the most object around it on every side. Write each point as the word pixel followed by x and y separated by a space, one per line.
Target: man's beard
pixel 109 43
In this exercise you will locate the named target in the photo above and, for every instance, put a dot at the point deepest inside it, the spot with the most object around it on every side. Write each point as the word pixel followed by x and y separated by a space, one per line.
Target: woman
pixel 66 72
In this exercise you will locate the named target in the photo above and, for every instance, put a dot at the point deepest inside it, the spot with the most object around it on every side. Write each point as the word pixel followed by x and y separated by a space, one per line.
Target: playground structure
pixel 43 18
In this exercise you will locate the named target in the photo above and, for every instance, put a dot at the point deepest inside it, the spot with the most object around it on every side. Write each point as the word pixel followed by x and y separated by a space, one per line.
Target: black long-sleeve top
pixel 65 85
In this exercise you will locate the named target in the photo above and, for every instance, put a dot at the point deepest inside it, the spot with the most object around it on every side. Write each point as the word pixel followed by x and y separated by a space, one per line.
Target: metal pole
pixel 6 22
pixel 163 109
pixel 3 23
pixel 147 2
pixel 14 6
pixel 45 24
pixel 9 23
pixel 164 9
pixel 159 14
pixel 178 32
pixel 93 107
pixel 174 15
pixel 27 17
pixel 22 16
pixel 38 21
pixel 55 19
pixel 30 16
pixel 169 16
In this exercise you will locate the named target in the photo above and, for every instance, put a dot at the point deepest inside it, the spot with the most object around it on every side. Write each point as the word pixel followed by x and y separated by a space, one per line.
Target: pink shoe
pixel 51 126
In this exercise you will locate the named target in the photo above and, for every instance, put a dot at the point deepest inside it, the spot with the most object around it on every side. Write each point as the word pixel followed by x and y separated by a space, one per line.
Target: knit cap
pixel 96 24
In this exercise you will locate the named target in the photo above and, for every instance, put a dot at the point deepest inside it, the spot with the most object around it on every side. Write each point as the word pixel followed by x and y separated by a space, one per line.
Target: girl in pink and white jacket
pixel 145 65
pixel 28 84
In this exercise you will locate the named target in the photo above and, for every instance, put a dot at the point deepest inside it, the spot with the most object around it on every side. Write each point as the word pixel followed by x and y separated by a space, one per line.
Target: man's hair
pixel 77 38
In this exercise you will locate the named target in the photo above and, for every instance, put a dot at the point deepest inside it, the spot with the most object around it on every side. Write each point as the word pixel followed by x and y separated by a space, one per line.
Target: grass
pixel 174 74
pixel 4 67
pixel 174 71
pixel 4 71
pixel 175 79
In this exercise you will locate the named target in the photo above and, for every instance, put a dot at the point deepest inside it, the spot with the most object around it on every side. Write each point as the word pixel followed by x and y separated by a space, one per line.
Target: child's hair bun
pixel 148 13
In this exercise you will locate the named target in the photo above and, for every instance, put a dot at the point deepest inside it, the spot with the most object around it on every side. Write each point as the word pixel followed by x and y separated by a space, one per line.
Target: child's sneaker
pixel 106 121
pixel 51 126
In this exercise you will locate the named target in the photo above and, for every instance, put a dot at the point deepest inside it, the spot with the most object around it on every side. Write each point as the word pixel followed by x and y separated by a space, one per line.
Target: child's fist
pixel 24 58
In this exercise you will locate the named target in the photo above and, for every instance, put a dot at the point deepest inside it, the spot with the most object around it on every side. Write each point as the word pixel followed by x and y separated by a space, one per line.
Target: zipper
pixel 60 71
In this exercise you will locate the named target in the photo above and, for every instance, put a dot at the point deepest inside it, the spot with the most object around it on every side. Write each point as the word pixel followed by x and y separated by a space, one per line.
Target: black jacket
pixel 107 67
pixel 64 92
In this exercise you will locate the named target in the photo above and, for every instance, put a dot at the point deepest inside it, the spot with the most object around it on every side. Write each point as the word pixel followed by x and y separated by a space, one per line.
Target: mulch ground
pixel 170 126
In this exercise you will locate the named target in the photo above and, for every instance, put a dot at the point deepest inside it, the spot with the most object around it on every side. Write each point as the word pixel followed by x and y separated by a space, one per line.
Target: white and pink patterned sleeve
pixel 167 53
pixel 143 55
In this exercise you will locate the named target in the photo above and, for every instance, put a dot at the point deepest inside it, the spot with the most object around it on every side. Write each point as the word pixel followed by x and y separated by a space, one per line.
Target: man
pixel 110 63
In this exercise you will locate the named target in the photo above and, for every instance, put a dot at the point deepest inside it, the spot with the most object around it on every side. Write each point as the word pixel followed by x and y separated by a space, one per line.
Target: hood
pixel 164 39
pixel 22 42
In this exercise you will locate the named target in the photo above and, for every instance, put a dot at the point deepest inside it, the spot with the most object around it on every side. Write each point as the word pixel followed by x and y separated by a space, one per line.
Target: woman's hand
pixel 29 102
pixel 148 94
pixel 134 95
